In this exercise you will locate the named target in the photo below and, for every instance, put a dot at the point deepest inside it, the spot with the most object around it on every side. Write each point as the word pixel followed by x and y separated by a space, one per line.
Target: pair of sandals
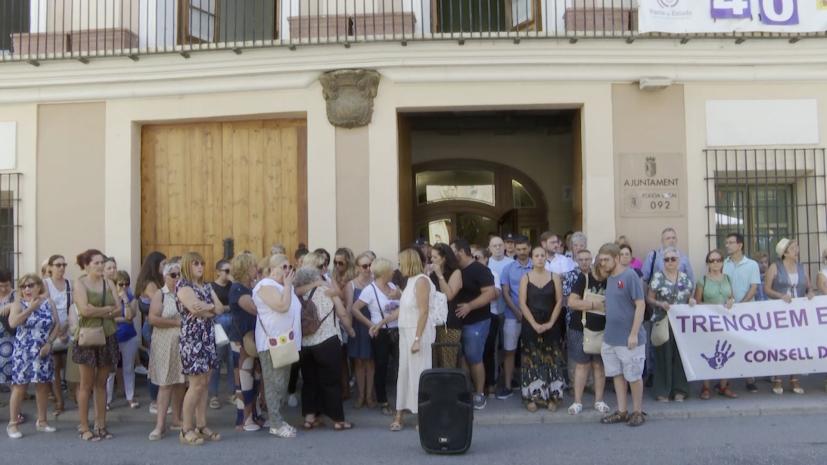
pixel 725 391
pixel 317 423
pixel 95 435
pixel 198 436
pixel 551 405
pixel 795 386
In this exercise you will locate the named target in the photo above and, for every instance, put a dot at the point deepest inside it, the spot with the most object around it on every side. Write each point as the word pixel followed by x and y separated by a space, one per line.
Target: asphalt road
pixel 787 440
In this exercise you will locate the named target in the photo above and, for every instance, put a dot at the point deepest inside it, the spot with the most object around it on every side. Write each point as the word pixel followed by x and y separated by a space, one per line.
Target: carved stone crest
pixel 349 95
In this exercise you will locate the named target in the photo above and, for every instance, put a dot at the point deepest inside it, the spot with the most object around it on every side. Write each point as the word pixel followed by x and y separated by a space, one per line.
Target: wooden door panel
pixel 204 182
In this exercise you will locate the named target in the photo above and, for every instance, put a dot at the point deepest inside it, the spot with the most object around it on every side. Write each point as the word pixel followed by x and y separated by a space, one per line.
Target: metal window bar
pixel 10 226
pixel 33 30
pixel 768 194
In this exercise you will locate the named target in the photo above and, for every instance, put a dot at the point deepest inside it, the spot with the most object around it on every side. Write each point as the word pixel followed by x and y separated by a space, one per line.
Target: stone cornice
pixel 446 61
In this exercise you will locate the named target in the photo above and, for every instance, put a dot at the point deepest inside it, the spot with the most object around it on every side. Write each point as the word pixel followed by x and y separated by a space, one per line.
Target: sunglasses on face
pixel 59 265
pixel 225 270
pixel 28 286
pixel 365 266
pixel 123 284
pixel 174 275
pixel 714 260
pixel 286 266
pixel 338 263
pixel 197 263
pixel 670 259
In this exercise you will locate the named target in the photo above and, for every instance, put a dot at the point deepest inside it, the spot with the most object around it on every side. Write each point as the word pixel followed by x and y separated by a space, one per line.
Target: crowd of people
pixel 544 320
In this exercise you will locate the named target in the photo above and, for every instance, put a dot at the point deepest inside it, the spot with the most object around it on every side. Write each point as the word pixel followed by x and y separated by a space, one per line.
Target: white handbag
pixel 660 331
pixel 592 340
pixel 437 308
pixel 283 349
pixel 221 338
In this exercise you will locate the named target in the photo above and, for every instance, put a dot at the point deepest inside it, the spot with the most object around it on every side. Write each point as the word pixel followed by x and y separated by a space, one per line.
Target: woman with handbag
pixel 95 349
pixel 715 288
pixel 36 322
pixel 321 361
pixel 278 332
pixel 60 291
pixel 668 287
pixel 199 305
pixel 416 334
pixel 541 303
pixel 588 317
pixel 165 370
pixel 447 278
pixel 381 301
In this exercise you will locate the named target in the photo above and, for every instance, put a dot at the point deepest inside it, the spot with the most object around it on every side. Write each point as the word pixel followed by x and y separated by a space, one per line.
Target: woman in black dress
pixel 542 334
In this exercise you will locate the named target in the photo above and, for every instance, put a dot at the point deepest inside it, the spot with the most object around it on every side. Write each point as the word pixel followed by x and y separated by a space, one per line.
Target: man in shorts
pixel 624 348
pixel 511 276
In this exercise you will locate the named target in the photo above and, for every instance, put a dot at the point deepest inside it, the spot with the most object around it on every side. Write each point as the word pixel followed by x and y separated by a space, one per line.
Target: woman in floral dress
pixel 6 335
pixel 669 287
pixel 197 343
pixel 35 319
pixel 542 333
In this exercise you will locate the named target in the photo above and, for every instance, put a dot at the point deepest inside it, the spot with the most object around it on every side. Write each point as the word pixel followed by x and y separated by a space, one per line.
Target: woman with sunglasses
pixel 165 368
pixel 128 342
pixel 35 319
pixel 359 347
pixel 245 271
pixel 96 300
pixel 199 306
pixel 715 288
pixel 60 291
pixel 147 284
pixel 669 287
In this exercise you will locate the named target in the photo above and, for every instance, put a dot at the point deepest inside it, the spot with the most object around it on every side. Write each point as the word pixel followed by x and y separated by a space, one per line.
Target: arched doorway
pixel 472 199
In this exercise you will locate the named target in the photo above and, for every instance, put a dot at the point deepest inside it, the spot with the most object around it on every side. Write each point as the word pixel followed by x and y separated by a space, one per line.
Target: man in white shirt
pixel 557 262
pixel 496 260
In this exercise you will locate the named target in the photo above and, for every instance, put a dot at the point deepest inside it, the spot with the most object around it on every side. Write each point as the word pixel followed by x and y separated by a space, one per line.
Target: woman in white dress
pixel 416 334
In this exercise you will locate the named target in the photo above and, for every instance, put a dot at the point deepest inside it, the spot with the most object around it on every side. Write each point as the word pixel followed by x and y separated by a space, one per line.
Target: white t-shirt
pixel 497 267
pixel 60 298
pixel 369 295
pixel 560 264
pixel 276 324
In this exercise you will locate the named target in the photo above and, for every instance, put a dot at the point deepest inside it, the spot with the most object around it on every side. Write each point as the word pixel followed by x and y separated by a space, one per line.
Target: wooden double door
pixel 203 183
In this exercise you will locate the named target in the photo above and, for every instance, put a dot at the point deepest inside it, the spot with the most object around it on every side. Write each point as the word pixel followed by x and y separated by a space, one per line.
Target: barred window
pixel 10 223
pixel 766 195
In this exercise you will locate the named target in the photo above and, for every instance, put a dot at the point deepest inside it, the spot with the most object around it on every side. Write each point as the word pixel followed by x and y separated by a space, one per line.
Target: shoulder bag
pixel 393 336
pixel 93 336
pixel 437 306
pixel 283 349
pixel 592 340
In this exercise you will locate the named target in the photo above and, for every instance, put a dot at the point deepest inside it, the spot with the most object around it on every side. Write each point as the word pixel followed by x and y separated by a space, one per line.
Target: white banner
pixel 752 339
pixel 724 16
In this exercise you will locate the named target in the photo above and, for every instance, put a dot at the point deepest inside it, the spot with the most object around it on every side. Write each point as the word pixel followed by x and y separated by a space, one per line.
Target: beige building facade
pixel 610 137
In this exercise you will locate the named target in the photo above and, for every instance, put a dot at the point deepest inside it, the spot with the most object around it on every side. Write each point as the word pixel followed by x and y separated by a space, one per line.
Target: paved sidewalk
pixel 511 411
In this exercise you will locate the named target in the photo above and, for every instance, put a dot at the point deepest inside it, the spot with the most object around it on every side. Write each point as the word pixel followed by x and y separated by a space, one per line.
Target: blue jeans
pixel 473 341
pixel 224 355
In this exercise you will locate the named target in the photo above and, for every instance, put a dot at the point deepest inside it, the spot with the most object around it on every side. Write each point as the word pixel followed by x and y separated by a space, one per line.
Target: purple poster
pixel 779 12
pixel 731 9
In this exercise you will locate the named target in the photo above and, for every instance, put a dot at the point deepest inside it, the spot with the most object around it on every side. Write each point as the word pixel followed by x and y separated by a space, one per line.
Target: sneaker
pixel 292 401
pixel 504 393
pixel 250 425
pixel 153 408
pixel 215 404
pixel 752 387
pixel 141 370
pixel 602 407
pixel 479 402
pixel 575 408
pixel 284 431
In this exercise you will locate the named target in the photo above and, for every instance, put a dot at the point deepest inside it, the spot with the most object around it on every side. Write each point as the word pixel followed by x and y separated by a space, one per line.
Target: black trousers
pixel 384 347
pixel 321 367
pixel 294 378
pixel 490 355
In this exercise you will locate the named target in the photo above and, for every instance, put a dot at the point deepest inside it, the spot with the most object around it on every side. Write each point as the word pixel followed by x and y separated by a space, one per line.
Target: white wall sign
pixel 725 16
pixel 761 122
pixel 8 145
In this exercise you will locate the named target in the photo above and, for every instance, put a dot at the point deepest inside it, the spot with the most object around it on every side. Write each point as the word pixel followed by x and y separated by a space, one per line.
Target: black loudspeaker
pixel 446 411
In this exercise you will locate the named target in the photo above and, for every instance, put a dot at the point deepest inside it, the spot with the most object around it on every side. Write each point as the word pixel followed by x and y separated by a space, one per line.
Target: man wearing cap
pixel 509 245
pixel 511 276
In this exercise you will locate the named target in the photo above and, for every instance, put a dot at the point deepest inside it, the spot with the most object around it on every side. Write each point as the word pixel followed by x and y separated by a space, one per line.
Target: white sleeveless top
pixel 276 324
pixel 408 310
pixel 60 298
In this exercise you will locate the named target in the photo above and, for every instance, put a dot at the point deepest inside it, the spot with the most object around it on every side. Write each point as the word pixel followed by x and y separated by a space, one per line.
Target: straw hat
pixel 781 247
pixel 249 344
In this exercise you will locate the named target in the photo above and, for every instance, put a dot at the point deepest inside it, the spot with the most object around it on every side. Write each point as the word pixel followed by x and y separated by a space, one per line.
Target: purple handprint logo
pixel 723 352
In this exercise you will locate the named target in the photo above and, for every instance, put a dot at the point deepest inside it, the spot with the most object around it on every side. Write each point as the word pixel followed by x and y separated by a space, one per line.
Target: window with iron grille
pixel 766 195
pixel 10 222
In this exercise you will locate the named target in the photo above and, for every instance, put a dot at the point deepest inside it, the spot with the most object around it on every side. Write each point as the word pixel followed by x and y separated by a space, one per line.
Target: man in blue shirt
pixel 511 276
pixel 744 277
pixel 654 259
